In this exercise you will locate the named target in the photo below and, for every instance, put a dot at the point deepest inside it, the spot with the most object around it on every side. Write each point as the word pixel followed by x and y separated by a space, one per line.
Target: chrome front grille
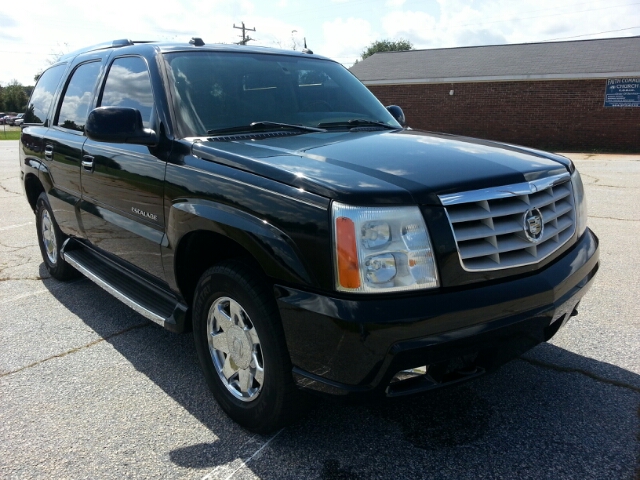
pixel 496 228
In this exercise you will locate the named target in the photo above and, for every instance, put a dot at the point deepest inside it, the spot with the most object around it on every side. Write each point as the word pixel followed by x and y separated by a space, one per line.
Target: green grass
pixel 10 135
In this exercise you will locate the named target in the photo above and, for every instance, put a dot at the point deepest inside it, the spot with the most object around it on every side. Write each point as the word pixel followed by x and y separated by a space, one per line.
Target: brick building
pixel 545 95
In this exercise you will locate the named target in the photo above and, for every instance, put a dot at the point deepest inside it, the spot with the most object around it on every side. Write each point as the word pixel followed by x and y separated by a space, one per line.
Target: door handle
pixel 48 152
pixel 87 163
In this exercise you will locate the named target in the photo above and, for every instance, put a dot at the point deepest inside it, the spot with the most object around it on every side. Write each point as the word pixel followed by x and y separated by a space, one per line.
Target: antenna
pixel 305 49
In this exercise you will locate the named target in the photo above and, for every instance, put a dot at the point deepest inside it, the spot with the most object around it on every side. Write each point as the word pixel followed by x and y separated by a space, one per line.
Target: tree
pixel 14 97
pixel 55 55
pixel 387 46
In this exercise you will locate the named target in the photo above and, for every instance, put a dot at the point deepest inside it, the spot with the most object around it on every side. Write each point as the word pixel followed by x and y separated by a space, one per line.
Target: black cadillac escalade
pixel 266 200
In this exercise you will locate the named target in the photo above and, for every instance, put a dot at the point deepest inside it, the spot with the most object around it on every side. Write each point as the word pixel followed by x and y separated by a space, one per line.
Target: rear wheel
pixel 50 240
pixel 241 348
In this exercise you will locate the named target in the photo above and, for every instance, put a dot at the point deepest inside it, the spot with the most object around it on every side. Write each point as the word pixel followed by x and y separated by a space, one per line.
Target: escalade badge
pixel 533 225
pixel 150 216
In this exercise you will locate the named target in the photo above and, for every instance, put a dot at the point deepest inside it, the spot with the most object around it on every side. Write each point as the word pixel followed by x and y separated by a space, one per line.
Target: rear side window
pixel 78 97
pixel 42 95
pixel 128 85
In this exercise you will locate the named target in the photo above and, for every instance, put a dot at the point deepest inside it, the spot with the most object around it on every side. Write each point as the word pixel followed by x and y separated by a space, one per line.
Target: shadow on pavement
pixel 527 420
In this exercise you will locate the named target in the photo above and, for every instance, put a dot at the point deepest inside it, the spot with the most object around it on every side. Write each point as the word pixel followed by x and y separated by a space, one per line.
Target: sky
pixel 33 35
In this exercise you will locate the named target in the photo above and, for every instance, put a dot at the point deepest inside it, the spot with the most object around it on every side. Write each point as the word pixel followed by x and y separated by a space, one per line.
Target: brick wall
pixel 552 115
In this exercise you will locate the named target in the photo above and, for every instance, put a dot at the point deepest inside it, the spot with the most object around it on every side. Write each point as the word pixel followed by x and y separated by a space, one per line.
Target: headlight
pixel 580 202
pixel 381 249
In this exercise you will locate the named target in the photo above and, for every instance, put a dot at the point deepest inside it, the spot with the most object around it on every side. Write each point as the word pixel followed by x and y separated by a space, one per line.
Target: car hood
pixel 397 167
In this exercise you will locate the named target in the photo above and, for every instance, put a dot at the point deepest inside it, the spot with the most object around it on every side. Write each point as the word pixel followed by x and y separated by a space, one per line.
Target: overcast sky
pixel 32 33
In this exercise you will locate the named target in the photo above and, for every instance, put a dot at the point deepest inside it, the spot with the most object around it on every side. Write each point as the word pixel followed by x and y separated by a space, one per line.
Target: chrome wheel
pixel 235 349
pixel 49 238
pixel 242 348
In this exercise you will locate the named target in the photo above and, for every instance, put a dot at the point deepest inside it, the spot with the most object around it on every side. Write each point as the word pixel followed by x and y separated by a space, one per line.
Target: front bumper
pixel 347 346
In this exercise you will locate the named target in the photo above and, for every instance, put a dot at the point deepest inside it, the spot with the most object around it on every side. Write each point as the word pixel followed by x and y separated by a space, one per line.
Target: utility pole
pixel 245 37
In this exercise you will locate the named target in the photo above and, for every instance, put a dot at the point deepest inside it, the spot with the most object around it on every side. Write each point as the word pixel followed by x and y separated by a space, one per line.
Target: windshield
pixel 214 91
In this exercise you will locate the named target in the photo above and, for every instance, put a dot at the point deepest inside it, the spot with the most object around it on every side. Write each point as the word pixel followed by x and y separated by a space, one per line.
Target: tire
pixel 50 240
pixel 246 363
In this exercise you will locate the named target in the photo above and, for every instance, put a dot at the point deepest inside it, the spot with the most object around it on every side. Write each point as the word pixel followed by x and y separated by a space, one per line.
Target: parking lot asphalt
pixel 90 389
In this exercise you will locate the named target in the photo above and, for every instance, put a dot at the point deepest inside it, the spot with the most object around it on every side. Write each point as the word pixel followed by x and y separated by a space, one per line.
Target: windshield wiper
pixel 358 122
pixel 264 126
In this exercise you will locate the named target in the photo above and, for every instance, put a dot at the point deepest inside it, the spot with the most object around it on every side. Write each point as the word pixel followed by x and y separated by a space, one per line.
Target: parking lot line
pixel 222 472
pixel 11 227
pixel 41 291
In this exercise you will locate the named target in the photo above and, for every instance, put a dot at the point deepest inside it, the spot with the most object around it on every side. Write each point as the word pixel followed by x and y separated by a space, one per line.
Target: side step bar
pixel 151 301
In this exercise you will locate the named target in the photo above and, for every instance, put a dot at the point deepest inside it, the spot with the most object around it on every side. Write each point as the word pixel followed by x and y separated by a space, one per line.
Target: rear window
pixel 42 96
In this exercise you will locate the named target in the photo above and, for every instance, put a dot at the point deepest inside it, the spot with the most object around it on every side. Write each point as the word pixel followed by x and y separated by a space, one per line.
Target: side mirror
pixel 119 125
pixel 397 113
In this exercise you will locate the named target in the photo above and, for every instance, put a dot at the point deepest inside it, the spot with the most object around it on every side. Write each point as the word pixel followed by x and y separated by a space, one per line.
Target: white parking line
pixel 225 472
pixel 10 227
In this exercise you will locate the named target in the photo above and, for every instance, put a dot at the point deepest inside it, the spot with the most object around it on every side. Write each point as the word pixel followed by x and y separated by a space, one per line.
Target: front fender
pixel 271 247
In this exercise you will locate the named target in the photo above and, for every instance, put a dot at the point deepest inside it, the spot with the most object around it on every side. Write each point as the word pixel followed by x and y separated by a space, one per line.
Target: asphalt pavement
pixel 90 389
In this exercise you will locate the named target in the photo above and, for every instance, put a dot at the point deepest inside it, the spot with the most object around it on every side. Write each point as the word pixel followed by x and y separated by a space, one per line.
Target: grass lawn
pixel 10 135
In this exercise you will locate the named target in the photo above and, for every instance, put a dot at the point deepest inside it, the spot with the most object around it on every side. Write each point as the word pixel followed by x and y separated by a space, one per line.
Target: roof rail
pixel 123 42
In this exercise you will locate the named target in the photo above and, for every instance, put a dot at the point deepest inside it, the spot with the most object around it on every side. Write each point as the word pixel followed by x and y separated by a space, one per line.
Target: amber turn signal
pixel 348 271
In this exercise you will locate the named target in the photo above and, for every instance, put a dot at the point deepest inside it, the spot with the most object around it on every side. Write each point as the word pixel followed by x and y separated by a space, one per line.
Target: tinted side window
pixel 128 85
pixel 42 95
pixel 77 98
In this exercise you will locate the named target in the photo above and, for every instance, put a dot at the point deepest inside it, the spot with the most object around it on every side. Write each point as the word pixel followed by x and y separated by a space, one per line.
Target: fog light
pixel 410 373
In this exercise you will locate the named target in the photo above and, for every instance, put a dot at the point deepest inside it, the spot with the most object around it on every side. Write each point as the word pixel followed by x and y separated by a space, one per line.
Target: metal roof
pixel 601 58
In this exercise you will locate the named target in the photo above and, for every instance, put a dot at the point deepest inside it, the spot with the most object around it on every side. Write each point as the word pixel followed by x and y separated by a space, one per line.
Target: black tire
pixel 271 399
pixel 50 240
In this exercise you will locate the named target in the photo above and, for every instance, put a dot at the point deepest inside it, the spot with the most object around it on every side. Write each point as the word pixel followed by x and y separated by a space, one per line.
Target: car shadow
pixel 550 414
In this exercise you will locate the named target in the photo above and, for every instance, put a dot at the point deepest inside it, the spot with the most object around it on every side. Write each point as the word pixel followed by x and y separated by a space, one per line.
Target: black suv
pixel 267 200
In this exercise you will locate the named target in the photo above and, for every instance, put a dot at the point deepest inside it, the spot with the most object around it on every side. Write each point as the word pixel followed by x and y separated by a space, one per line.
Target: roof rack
pixel 122 42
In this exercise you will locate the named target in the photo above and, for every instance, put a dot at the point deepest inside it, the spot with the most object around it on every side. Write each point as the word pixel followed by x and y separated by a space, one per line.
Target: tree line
pixel 14 97
pixel 378 46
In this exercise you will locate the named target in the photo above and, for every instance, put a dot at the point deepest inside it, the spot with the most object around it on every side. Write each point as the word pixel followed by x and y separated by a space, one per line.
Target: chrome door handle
pixel 48 152
pixel 87 163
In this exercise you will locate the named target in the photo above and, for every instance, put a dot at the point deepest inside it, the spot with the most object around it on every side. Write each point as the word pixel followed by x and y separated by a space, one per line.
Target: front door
pixel 122 185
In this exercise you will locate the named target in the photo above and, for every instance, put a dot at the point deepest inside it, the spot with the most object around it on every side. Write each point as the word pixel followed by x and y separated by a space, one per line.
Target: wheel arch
pixel 33 188
pixel 205 233
pixel 194 256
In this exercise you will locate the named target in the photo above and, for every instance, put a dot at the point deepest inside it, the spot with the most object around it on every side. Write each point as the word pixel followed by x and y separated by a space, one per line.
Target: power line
pixel 23 53
pixel 588 34
pixel 350 5
pixel 551 14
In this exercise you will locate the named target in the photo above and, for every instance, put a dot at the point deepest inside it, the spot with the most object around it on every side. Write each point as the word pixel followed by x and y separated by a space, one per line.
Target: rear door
pixel 64 141
pixel 38 118
pixel 122 184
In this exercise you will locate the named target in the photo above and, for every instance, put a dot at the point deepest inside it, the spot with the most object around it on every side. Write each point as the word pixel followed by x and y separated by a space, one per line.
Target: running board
pixel 151 301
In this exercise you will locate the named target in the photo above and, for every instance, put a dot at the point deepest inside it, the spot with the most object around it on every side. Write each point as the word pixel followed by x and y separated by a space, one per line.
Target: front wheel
pixel 241 348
